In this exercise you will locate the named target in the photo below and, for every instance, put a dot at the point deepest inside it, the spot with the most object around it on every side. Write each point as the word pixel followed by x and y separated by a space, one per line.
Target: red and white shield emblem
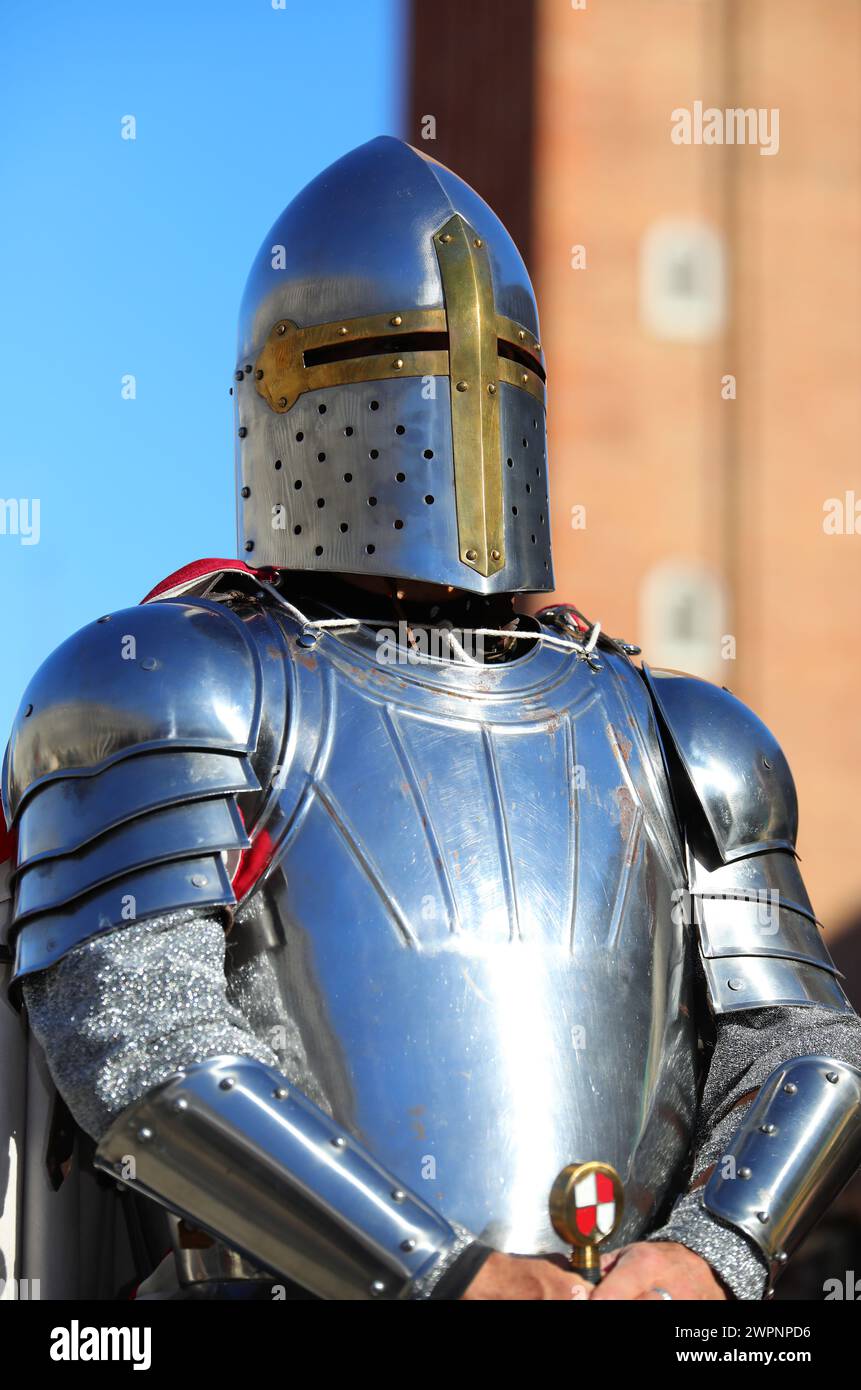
pixel 595 1201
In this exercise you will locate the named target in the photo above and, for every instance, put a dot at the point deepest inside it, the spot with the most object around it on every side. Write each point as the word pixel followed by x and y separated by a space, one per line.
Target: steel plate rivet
pixel 764 1217
pixel 491 388
pixel 180 1104
pixel 398 1195
pixel 198 880
pixel 446 238
pixel 463 386
pixel 537 347
pixel 342 332
pixel 744 1174
pixel 768 1129
pixel 259 374
pixel 227 1083
pixel 237 376
pixel 249 545
pixel 472 556
pixel 145 1134
pixel 832 1077
pixel 735 983
pixel 282 401
pixel 149 663
pixel 524 379
pixel 398 363
pixel 781 1257
pixel 408 1245
pixel 522 336
pixel 242 431
pixel 378 1287
pixel 339 1142
pixel 281 1093
pixel 495 555
pixel 790 1088
pixel 478 241
pixel 282 328
pixel 396 320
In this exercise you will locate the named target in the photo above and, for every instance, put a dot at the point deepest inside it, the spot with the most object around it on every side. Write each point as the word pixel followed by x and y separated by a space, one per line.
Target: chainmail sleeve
pixel 749 1046
pixel 122 1011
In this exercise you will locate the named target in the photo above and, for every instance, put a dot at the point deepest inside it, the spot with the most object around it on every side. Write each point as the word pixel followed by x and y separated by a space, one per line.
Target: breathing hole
pixel 369 549
pixel 510 462
pixel 400 429
pixel 399 525
pixel 400 477
pixel 514 511
pixel 322 409
pixel 428 453
pixel 375 405
pixel 533 540
pixel 298 484
pixel 429 500
pixel 348 477
pixel 321 501
pixel 343 527
pixel 297 530
pixel 318 550
pixel 372 501
pixel 321 458
pixel 277 463
pixel 374 454
pixel 299 436
pixel 348 431
pixel 525 443
pixel 528 487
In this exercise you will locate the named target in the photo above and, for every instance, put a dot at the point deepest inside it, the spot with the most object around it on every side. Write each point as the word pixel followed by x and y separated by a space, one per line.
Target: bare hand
pixel 526 1278
pixel 638 1271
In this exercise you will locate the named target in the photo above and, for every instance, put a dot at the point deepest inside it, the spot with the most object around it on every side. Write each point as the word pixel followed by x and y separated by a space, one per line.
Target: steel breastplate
pixel 469 921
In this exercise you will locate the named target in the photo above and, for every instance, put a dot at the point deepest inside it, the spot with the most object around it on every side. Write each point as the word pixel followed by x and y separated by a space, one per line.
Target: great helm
pixel 389 390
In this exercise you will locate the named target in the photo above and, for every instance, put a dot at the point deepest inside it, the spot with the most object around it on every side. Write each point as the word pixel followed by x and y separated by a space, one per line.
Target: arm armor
pixel 143 748
pixel 131 773
pixel 232 1146
pixel 759 941
pixel 797 1147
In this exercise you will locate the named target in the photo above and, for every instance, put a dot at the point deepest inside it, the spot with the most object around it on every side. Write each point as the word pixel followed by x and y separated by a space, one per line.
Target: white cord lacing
pixel 584 650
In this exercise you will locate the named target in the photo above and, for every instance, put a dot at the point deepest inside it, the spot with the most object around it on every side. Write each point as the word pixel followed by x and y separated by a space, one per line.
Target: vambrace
pixel 233 1147
pixel 797 1147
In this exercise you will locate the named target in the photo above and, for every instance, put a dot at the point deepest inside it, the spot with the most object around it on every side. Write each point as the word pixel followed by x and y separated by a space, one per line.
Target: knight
pixel 348 902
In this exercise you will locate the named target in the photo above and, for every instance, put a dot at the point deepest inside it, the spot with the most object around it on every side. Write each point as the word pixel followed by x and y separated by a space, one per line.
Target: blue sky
pixel 129 257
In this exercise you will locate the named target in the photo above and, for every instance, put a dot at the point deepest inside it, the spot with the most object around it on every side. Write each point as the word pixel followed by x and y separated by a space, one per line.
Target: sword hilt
pixel 586 1205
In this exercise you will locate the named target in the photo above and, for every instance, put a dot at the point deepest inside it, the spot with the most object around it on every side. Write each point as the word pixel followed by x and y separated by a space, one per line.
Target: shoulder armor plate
pixel 760 943
pixel 131 749
pixel 735 765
